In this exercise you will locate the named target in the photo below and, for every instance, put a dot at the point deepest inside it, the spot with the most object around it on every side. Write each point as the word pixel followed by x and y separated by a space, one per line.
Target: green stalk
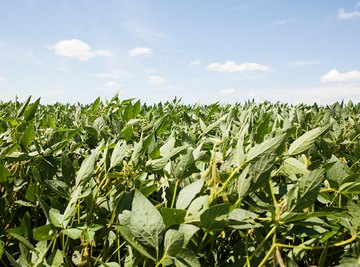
pixel 174 195
pixel 272 231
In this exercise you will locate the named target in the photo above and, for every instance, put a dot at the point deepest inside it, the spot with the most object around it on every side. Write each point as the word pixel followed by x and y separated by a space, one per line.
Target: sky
pixel 200 51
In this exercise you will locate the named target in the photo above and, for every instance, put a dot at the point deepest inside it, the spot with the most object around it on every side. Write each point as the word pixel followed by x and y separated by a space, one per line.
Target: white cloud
pixel 343 15
pixel 140 51
pixel 2 79
pixel 336 76
pixel 195 62
pixel 156 80
pixel 113 74
pixel 231 66
pixel 283 21
pixel 75 48
pixel 145 32
pixel 113 85
pixel 227 91
pixel 303 63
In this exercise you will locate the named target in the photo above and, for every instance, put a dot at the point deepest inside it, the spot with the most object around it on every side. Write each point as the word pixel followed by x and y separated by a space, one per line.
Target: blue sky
pixel 201 51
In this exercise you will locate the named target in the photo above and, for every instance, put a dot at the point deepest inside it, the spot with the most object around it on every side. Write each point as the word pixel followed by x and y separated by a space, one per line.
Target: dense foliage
pixel 117 183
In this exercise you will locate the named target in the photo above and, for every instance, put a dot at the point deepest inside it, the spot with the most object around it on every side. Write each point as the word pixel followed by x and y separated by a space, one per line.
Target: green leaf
pixel 128 236
pixel 338 172
pixel 119 153
pixel 55 217
pixel 2 248
pixel 186 258
pixel 215 217
pixel 188 230
pixel 290 217
pixel 305 193
pixel 59 187
pixel 44 232
pixel 56 259
pixel 244 183
pixel 305 141
pixel 11 259
pixel 146 222
pixel 186 166
pixel 196 208
pixel 28 136
pixel 173 216
pixel 267 147
pixel 188 193
pixel 73 233
pixel 30 113
pixel 67 169
pixel 22 109
pixel 173 242
pixel 23 240
pixel 292 166
pixel 86 169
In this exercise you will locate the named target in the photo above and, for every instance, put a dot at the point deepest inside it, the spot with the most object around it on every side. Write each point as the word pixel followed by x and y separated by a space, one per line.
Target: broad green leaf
pixel 73 233
pixel 305 193
pixel 30 113
pixel 215 217
pixel 186 258
pixel 305 141
pixel 338 171
pixel 11 259
pixel 290 217
pixel 56 217
pixel 4 174
pixel 173 242
pixel 267 147
pixel 71 207
pixel 244 182
pixel 188 230
pixel 59 187
pixel 146 222
pixel 119 153
pixel 186 166
pixel 173 216
pixel 196 208
pixel 188 193
pixel 2 248
pixel 128 236
pixel 28 136
pixel 56 259
pixel 22 109
pixel 293 166
pixel 23 240
pixel 44 232
pixel 215 124
pixel 86 169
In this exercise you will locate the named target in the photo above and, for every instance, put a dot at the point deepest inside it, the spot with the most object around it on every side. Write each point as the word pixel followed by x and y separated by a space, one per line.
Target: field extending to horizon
pixel 120 183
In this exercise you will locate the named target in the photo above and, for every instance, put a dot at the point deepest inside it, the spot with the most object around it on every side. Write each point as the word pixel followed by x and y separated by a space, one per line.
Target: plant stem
pixel 174 195
pixel 271 232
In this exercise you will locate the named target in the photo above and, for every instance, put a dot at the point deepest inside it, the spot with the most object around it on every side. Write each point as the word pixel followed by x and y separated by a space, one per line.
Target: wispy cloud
pixel 227 91
pixel 75 48
pixel 145 32
pixel 231 66
pixel 283 21
pixel 113 74
pixel 2 79
pixel 156 80
pixel 346 15
pixel 336 76
pixel 140 51
pixel 195 62
pixel 304 63
pixel 343 15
